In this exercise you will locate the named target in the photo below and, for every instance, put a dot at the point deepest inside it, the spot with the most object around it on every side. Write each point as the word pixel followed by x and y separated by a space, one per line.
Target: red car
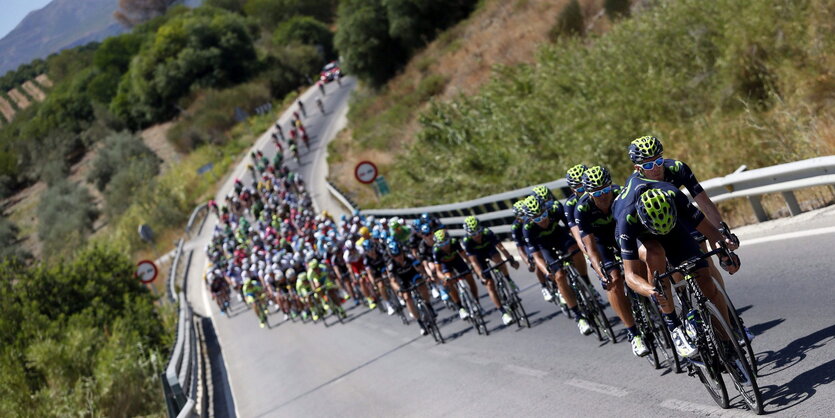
pixel 330 72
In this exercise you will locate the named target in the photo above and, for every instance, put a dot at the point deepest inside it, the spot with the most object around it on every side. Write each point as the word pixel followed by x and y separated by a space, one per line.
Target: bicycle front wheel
pixel 736 364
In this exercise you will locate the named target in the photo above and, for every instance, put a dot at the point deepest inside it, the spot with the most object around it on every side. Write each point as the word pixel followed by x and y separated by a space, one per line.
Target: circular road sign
pixel 366 172
pixel 146 271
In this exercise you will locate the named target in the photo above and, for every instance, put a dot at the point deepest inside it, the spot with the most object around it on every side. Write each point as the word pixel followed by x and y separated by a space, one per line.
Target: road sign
pixel 146 271
pixel 365 172
pixel 382 186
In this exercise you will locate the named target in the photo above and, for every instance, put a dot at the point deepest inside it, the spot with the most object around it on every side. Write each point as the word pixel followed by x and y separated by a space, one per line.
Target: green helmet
pixel 471 225
pixel 544 193
pixel 596 177
pixel 575 176
pixel 519 208
pixel 657 211
pixel 313 264
pixel 644 148
pixel 532 206
pixel 441 236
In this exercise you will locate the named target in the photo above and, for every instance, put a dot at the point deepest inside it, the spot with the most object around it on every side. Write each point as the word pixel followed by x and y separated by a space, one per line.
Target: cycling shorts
pixel 251 297
pixel 407 283
pixel 457 265
pixel 357 267
pixel 607 256
pixel 485 254
pixel 550 255
pixel 680 246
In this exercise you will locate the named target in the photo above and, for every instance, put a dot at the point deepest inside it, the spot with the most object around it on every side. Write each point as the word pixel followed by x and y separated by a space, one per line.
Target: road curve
pixel 374 366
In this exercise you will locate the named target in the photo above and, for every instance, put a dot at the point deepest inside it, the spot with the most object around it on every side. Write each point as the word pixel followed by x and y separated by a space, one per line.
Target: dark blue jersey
pixel 571 209
pixel 517 232
pixel 551 237
pixel 594 220
pixel 482 249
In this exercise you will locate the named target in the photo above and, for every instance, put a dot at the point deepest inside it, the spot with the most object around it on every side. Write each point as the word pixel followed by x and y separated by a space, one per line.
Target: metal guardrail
pixel 193 217
pixel 342 197
pixel 172 273
pixel 495 210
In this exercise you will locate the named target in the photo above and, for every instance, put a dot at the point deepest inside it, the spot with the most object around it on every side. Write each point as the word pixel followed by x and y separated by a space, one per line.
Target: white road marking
pixel 713 411
pixel 788 235
pixel 598 387
pixel 525 371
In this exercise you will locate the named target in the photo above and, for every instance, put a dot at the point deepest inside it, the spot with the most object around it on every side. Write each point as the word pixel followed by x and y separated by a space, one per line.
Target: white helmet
pixel 349 244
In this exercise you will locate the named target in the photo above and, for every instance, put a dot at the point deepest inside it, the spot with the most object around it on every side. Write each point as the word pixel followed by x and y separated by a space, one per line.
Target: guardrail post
pixel 791 202
pixel 757 205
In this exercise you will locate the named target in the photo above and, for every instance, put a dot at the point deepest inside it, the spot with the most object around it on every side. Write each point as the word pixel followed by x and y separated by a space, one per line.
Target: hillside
pixel 60 24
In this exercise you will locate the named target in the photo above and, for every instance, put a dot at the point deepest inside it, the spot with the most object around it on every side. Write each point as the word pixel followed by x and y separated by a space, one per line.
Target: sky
pixel 15 10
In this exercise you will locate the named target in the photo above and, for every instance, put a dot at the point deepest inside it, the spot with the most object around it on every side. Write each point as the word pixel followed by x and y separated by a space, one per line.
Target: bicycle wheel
pixel 740 372
pixel 598 314
pixel 585 301
pixel 709 370
pixel 552 287
pixel 644 323
pixel 739 330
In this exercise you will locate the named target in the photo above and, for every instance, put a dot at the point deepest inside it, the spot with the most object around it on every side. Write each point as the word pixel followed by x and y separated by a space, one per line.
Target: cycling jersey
pixel 570 208
pixel 424 250
pixel 401 234
pixel 303 286
pixel 551 240
pixel 376 264
pixel 449 261
pixel 354 260
pixel 484 249
pixel 678 244
pixel 592 220
pixel 405 273
pixel 321 276
pixel 517 232
pixel 252 290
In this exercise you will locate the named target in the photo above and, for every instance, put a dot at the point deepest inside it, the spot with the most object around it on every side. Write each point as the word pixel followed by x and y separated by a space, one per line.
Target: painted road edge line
pixel 598 387
pixel 695 408
pixel 788 235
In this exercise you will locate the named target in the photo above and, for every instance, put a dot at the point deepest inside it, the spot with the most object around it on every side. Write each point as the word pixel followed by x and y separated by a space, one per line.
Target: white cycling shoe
pixel 546 294
pixel 584 326
pixel 463 313
pixel 638 347
pixel 507 319
pixel 683 345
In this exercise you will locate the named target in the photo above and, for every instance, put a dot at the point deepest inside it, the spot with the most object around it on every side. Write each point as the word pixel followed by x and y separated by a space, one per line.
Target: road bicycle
pixel 508 295
pixel 426 314
pixel 471 304
pixel 586 299
pixel 717 345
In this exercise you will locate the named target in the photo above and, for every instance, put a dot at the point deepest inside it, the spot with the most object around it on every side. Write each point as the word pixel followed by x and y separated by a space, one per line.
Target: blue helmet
pixel 394 248
pixel 425 229
pixel 416 223
pixel 367 244
pixel 425 217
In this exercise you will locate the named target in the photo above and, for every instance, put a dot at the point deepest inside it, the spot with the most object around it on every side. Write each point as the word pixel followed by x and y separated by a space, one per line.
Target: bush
pixel 124 187
pixel 292 67
pixel 120 151
pixel 270 13
pixel 9 240
pixel 570 21
pixel 616 9
pixel 78 338
pixel 204 48
pixel 65 217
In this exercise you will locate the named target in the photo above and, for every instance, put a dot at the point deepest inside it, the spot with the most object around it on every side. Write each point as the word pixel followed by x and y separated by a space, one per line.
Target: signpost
pixel 146 271
pixel 382 186
pixel 366 172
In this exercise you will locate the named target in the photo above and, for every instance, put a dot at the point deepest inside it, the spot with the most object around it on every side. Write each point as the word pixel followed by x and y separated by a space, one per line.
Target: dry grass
pixel 499 33
pixel 6 109
pixel 44 80
pixel 20 99
pixel 33 91
pixel 155 138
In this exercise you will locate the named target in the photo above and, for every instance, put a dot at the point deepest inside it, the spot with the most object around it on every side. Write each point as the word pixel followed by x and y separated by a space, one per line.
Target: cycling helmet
pixel 363 231
pixel 441 235
pixel 532 207
pixel 416 223
pixel 596 177
pixel 644 148
pixel 657 211
pixel 471 225
pixel 394 248
pixel 313 264
pixel 519 208
pixel 367 245
pixel 349 245
pixel 575 176
pixel 425 229
pixel 425 217
pixel 544 193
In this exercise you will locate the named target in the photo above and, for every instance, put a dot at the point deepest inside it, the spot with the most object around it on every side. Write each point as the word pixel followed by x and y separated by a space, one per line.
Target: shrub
pixel 307 31
pixel 65 217
pixel 124 187
pixel 616 9
pixel 570 21
pixel 119 151
pixel 9 240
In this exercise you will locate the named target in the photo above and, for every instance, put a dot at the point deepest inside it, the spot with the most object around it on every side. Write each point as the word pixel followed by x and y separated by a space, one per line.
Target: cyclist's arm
pixel 632 271
pixel 474 262
pixel 594 254
pixel 575 232
pixel 522 254
pixel 708 208
pixel 540 262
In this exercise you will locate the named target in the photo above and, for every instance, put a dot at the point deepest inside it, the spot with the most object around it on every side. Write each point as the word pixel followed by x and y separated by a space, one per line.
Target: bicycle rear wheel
pixel 740 372
pixel 739 330
pixel 709 370
pixel 645 325
pixel 585 301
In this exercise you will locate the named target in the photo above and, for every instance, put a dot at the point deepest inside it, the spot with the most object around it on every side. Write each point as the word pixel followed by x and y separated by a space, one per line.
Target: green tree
pixel 305 30
pixel 65 217
pixel 119 151
pixel 9 242
pixel 365 44
pixel 236 6
pixel 206 47
pixel 270 13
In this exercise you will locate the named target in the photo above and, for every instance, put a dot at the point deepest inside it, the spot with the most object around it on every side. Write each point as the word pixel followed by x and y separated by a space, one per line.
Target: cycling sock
pixel 632 331
pixel 672 321
pixel 586 279
pixel 577 314
pixel 501 309
pixel 544 285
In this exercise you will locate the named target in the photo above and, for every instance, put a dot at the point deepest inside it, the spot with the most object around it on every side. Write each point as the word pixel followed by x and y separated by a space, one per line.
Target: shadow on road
pixel 801 387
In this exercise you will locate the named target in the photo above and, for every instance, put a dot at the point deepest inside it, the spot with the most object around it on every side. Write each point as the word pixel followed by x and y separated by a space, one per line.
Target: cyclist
pixel 404 271
pixel 320 277
pixel 482 244
pixel 597 230
pixel 545 196
pixel 658 214
pixel 253 292
pixel 545 238
pixel 301 108
pixel 320 105
pixel 646 154
pixel 375 266
pixel 449 261
pixel 353 259
pixel 401 233
pixel 220 290
pixel 304 289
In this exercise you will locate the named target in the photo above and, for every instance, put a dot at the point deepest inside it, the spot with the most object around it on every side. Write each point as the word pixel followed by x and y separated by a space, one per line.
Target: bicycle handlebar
pixel 495 266
pixel 563 258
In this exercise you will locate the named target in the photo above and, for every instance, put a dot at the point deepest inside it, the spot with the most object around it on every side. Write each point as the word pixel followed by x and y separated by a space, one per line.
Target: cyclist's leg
pixel 654 256
pixel 561 279
pixel 714 272
pixel 490 283
pixel 614 289
pixel 410 304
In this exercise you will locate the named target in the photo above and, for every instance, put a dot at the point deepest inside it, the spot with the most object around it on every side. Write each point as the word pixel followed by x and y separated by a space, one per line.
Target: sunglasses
pixel 474 233
pixel 541 217
pixel 580 190
pixel 601 192
pixel 649 165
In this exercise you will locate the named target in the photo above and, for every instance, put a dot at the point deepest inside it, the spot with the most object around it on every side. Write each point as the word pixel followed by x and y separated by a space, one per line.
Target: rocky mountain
pixel 59 25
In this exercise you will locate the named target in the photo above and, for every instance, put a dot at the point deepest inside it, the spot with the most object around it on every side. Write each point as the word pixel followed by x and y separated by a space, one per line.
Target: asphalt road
pixel 375 366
